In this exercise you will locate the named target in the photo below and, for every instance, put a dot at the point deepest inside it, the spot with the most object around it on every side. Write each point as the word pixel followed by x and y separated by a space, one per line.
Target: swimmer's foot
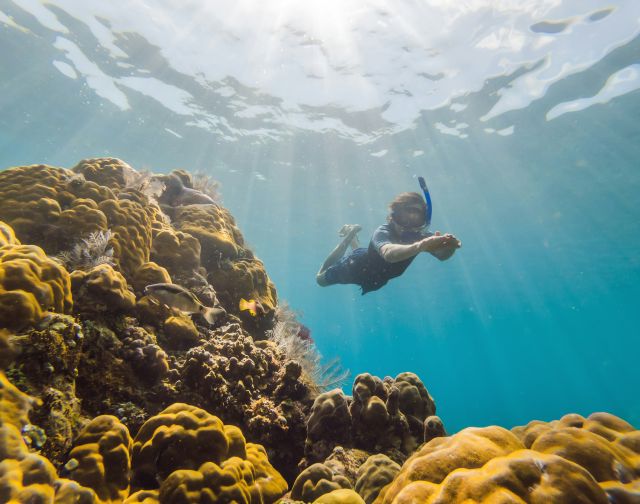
pixel 349 232
pixel 349 229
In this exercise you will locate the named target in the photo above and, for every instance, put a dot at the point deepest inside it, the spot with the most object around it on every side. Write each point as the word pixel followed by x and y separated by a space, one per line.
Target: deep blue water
pixel 535 317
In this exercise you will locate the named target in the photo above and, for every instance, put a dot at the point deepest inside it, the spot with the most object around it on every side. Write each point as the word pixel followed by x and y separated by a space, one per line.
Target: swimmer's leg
pixel 338 252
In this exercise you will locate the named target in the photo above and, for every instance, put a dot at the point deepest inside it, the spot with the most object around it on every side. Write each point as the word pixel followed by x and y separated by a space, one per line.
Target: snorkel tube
pixel 427 197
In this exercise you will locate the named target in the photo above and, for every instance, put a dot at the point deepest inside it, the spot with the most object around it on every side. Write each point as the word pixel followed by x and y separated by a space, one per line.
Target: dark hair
pixel 405 200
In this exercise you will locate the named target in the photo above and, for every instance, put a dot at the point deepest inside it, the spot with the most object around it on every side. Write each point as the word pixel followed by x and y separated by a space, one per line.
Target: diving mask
pixel 410 219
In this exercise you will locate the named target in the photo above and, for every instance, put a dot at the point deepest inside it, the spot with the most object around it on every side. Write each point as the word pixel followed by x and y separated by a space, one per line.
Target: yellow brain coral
pixel 102 461
pixel 149 273
pixel 14 404
pixel 523 476
pixel 592 460
pixel 56 208
pixel 177 251
pixel 214 228
pixel 180 331
pixel 80 219
pixel 315 481
pixel 28 478
pixel 469 448
pixel 195 456
pixel 605 445
pixel 6 349
pixel 110 172
pixel 101 288
pixel 342 496
pixel 28 199
pixel 31 284
pixel 130 222
pixel 7 236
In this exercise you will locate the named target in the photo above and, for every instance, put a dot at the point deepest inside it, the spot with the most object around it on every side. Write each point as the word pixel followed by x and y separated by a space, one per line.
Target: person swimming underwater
pixel 392 248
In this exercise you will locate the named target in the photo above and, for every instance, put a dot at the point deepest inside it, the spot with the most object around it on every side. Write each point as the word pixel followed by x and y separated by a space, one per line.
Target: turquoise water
pixel 522 116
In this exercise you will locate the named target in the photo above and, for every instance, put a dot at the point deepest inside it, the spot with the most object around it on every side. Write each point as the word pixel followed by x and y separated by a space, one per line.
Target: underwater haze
pixel 521 115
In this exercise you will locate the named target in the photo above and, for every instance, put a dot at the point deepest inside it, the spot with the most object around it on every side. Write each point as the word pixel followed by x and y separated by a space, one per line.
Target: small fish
pixel 252 305
pixel 181 299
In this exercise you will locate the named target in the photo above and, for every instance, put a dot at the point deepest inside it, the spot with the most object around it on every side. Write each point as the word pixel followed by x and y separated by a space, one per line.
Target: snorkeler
pixel 392 248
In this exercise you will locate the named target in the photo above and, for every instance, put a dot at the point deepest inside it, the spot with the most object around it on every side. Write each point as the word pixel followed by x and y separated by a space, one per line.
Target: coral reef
pixel 236 410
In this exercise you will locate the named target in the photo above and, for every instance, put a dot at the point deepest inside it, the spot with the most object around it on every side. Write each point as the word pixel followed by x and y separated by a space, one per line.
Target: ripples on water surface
pixel 522 116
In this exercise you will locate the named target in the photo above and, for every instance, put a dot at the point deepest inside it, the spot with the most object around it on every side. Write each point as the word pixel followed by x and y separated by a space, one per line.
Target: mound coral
pixel 570 460
pixel 176 251
pixel 55 208
pixel 520 477
pixel 341 496
pixel 377 472
pixel 149 273
pixel 109 172
pixel 100 458
pixel 214 228
pixel 101 289
pixel 30 285
pixel 317 480
pixel 14 404
pixel 187 450
pixel 7 236
pixel 181 332
pixel 27 477
pixel 383 416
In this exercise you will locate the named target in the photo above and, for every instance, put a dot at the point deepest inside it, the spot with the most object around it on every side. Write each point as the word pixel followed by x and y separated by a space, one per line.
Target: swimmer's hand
pixel 440 243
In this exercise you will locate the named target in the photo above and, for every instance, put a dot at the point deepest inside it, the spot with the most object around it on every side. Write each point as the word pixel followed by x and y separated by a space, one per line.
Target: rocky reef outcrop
pixel 109 395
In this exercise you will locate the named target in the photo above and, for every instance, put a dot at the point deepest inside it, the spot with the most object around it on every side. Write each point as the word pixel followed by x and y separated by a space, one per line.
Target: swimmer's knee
pixel 321 280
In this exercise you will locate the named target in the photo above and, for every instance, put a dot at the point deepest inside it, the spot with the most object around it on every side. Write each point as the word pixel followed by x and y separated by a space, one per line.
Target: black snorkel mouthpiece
pixel 427 197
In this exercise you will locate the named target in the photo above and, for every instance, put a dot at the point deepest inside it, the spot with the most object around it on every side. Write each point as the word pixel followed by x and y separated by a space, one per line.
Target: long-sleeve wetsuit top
pixel 370 270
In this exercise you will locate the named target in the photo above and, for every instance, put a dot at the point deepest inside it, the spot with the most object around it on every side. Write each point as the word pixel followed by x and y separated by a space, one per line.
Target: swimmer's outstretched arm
pixel 439 245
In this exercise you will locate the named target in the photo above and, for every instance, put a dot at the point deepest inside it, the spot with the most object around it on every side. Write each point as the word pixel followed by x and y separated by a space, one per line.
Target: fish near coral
pixel 181 299
pixel 177 194
pixel 252 306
